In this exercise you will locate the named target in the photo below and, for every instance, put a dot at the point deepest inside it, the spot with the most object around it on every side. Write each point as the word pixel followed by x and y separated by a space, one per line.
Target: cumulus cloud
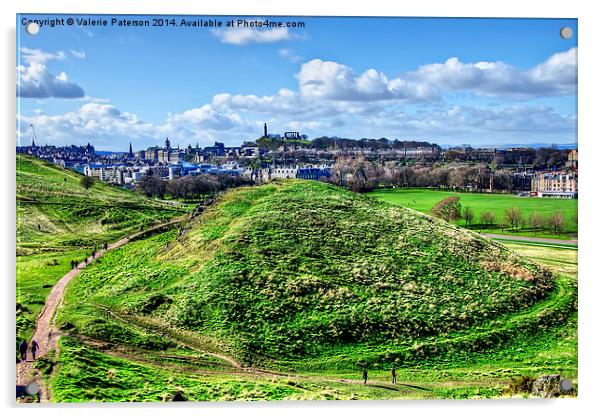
pixel 36 81
pixel 107 126
pixel 556 76
pixel 334 81
pixel 243 36
pixel 333 99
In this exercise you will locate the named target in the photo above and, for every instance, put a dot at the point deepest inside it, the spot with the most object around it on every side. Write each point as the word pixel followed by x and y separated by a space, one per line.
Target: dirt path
pixel 45 334
pixel 552 241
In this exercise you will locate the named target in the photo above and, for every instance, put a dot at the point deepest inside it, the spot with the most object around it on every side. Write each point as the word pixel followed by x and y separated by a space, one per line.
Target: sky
pixel 485 82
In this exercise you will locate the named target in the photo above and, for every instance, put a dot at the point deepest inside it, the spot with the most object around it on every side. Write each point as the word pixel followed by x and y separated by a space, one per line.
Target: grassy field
pixel 58 220
pixel 424 199
pixel 36 274
pixel 310 283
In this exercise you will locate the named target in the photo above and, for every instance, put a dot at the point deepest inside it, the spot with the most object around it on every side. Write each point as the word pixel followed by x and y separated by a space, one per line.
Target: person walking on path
pixel 365 375
pixel 34 348
pixel 393 375
pixel 23 350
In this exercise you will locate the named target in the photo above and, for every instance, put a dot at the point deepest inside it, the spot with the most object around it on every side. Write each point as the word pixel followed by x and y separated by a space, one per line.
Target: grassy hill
pixel 58 220
pixel 303 275
pixel 54 211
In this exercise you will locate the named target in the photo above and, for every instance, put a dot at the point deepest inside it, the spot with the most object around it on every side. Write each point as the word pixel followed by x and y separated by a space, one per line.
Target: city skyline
pixel 447 81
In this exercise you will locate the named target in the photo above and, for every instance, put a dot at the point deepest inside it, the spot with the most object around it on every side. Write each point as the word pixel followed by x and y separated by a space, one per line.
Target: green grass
pixel 424 199
pixel 292 269
pixel 314 282
pixel 36 274
pixel 311 280
pixel 55 212
pixel 559 260
pixel 58 220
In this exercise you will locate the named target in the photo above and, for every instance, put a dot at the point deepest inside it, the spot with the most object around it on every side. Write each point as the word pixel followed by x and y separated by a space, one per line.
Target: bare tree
pixel 536 221
pixel 468 215
pixel 514 217
pixel 556 222
pixel 448 209
pixel 488 218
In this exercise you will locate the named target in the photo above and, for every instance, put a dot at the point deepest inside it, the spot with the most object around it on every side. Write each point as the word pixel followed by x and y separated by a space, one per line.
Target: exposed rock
pixel 547 386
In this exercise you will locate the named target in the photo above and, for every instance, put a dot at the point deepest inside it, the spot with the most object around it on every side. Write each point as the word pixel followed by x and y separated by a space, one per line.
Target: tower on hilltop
pixel 265 129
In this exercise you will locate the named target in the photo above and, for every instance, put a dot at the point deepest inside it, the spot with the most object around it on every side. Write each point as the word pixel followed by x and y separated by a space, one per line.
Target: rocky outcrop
pixel 547 386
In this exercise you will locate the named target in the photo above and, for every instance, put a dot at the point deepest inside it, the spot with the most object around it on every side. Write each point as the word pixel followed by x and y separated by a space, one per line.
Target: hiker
pixel 393 375
pixel 39 227
pixel 365 375
pixel 34 348
pixel 23 350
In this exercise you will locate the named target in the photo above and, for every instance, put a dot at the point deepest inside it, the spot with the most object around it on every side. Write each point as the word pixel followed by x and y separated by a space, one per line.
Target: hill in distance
pixel 299 272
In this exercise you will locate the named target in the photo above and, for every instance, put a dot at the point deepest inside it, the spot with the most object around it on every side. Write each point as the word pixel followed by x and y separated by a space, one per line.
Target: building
pixel 152 153
pixel 283 173
pixel 106 173
pixel 313 173
pixel 292 135
pixel 176 156
pixel 571 163
pixel 554 185
pixel 216 150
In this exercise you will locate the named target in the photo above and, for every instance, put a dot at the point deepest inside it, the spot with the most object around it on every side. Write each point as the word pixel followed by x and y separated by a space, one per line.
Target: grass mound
pixel 299 269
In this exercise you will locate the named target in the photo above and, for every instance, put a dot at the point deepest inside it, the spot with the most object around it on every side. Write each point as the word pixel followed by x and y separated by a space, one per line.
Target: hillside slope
pixel 59 221
pixel 54 211
pixel 299 269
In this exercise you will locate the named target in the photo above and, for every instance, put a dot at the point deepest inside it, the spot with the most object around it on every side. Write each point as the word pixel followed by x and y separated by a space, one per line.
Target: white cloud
pixel 332 99
pixel 29 55
pixel 106 126
pixel 243 36
pixel 556 76
pixel 78 54
pixel 36 81
pixel 289 55
pixel 334 81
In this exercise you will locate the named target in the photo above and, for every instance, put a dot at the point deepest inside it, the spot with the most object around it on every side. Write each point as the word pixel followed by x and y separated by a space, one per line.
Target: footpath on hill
pixel 45 334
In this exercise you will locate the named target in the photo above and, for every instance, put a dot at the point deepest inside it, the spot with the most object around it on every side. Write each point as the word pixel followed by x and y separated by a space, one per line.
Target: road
pixel 549 241
pixel 45 334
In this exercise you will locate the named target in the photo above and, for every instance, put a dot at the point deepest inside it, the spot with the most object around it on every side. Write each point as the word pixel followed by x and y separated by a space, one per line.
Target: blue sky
pixel 450 81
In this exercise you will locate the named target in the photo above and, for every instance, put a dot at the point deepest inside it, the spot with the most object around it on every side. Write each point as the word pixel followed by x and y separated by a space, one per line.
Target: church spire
pixel 131 152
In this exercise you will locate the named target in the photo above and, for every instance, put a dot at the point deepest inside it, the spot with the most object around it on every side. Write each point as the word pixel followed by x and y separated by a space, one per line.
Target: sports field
pixel 424 199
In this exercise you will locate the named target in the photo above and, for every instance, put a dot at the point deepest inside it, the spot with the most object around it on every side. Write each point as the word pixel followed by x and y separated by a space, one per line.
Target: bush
pixel 520 385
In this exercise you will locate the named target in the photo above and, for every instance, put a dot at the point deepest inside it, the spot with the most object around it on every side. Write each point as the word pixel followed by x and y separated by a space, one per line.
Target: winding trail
pixel 45 334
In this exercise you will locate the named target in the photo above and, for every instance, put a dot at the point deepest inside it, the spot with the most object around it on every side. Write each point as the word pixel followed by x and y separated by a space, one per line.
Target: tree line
pixel 450 209
pixel 189 187
pixel 362 175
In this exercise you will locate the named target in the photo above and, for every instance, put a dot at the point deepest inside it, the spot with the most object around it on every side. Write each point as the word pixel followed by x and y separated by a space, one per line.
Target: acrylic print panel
pixel 217 208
